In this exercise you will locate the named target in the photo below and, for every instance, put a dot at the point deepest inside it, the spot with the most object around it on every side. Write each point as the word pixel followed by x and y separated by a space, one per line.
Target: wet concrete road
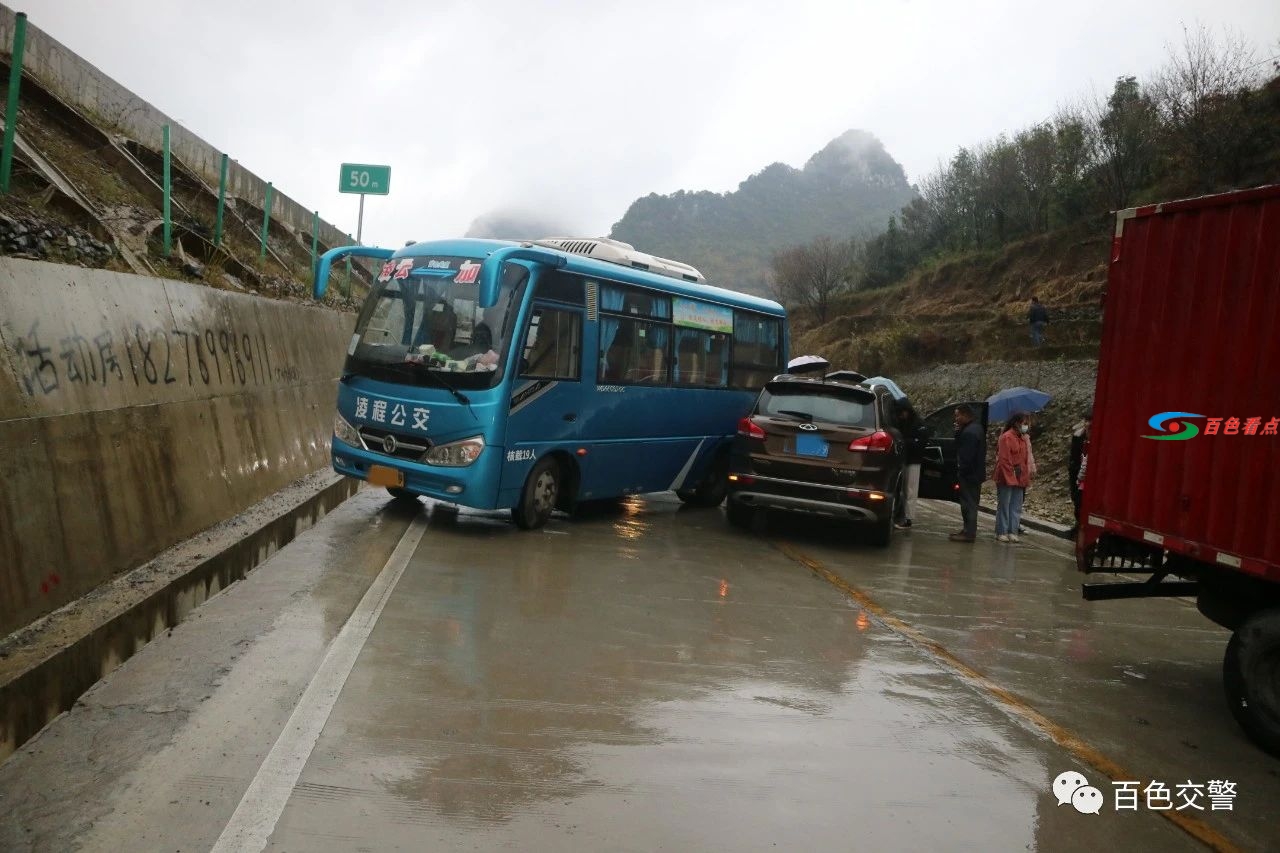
pixel 645 679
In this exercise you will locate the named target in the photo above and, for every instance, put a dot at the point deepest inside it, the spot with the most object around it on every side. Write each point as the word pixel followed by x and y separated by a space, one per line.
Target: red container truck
pixel 1182 478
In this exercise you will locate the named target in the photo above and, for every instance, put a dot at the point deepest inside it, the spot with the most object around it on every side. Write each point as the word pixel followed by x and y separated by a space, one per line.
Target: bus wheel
pixel 713 488
pixel 1251 677
pixel 539 496
pixel 402 495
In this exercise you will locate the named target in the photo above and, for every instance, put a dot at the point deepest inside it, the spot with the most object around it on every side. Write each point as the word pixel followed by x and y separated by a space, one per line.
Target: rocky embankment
pixel 1070 384
pixel 31 238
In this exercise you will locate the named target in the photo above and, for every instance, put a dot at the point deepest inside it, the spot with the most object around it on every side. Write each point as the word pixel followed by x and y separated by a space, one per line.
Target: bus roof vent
pixel 617 252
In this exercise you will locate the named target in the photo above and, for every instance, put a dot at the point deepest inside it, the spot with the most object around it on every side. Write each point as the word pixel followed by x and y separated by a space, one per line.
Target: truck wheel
pixel 1251 678
pixel 402 495
pixel 713 488
pixel 539 496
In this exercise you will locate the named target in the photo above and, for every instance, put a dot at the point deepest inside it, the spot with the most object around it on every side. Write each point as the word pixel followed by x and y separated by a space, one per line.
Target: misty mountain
pixel 515 225
pixel 850 187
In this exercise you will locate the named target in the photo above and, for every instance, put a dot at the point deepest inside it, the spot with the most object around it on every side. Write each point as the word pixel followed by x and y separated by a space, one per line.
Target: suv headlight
pixel 344 431
pixel 455 454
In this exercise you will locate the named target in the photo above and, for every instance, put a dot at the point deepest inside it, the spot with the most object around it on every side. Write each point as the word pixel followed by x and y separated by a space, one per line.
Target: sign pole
pixel 360 221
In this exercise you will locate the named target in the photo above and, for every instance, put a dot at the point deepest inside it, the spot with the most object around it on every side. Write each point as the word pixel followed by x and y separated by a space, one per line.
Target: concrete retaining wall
pixel 135 412
pixel 102 99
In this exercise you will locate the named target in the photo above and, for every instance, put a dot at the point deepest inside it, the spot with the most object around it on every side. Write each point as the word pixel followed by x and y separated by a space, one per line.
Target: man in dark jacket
pixel 1079 438
pixel 1038 317
pixel 971 468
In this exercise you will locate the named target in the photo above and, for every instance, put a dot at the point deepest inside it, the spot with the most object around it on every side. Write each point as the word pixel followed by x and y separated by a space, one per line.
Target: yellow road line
pixel 1087 754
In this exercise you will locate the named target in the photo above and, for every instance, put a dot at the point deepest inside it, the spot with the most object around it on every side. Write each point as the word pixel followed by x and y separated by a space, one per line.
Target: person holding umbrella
pixel 1012 476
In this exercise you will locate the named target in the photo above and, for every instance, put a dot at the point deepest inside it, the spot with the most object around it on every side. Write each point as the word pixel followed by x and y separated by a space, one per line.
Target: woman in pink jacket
pixel 1012 476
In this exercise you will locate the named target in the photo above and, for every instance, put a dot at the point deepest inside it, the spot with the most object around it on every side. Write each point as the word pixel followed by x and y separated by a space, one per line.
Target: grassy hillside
pixel 971 307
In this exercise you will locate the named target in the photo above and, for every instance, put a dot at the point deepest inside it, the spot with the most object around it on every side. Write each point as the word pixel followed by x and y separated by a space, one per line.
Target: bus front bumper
pixel 464 486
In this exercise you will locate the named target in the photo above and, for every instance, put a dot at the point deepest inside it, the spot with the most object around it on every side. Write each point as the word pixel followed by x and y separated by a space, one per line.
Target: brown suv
pixel 819 446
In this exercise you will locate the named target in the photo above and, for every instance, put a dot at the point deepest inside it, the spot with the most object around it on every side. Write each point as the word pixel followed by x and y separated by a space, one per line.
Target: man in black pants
pixel 971 467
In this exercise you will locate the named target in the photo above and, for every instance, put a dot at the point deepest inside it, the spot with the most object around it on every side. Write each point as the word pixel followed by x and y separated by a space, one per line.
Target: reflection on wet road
pixel 645 677
pixel 651 679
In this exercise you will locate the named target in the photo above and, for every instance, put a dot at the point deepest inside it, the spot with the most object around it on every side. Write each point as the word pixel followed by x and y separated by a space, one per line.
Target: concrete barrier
pixel 135 412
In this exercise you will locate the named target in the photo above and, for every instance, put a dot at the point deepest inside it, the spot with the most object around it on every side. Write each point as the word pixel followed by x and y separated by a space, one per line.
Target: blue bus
pixel 535 376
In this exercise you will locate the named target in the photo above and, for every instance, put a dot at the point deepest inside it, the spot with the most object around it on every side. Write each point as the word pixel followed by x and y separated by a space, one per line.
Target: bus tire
pixel 712 489
pixel 539 496
pixel 403 495
pixel 1251 678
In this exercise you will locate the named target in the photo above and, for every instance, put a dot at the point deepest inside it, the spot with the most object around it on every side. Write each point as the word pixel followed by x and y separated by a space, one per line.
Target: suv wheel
pixel 713 488
pixel 740 515
pixel 882 531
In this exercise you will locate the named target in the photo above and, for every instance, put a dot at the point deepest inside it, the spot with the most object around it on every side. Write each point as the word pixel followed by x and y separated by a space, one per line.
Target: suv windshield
pixel 830 405
pixel 423 320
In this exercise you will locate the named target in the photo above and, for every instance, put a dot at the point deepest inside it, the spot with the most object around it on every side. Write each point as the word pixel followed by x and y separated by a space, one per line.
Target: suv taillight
pixel 750 429
pixel 877 442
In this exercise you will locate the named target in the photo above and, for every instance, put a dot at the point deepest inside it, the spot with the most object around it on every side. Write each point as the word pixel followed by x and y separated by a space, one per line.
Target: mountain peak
pixel 856 154
pixel 851 187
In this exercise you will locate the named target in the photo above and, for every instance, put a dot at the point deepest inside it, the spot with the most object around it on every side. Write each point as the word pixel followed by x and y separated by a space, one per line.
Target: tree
pixel 1037 152
pixel 886 258
pixel 1204 95
pixel 815 273
pixel 1073 156
pixel 1127 129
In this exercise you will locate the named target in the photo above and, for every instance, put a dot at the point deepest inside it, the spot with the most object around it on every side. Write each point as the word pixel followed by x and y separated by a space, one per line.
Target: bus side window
pixel 756 350
pixel 552 345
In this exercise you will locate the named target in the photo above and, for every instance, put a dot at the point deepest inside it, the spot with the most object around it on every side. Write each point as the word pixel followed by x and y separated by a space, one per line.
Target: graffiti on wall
pixel 142 355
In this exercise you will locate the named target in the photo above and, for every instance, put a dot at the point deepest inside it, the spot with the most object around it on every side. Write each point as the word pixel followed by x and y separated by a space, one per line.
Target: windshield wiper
pixel 458 395
pixel 804 416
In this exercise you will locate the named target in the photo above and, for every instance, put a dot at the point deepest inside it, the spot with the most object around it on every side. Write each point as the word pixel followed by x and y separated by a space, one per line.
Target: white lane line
pixel 260 808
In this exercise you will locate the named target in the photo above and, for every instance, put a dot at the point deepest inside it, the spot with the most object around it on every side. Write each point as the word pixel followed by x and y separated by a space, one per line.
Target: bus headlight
pixel 344 431
pixel 455 454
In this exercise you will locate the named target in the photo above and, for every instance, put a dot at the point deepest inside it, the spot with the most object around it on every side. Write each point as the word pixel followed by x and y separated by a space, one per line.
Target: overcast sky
pixel 573 109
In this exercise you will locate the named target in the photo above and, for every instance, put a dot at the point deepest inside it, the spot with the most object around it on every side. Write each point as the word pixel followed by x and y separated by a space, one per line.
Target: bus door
pixel 547 396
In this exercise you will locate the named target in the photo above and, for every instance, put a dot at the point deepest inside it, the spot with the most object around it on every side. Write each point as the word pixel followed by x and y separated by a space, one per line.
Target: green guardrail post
pixel 11 108
pixel 315 239
pixel 168 196
pixel 266 220
pixel 222 203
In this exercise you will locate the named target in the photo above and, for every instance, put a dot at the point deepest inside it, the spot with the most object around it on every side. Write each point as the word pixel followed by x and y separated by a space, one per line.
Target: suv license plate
pixel 811 445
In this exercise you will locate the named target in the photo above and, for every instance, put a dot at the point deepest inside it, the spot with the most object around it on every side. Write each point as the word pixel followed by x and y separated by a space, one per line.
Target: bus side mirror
pixel 321 282
pixel 491 269
pixel 490 279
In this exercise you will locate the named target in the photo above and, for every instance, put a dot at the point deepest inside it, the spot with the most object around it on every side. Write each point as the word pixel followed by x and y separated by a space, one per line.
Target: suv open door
pixel 938 478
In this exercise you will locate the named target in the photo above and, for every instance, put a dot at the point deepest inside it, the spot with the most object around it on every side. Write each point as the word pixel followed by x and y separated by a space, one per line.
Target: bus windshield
pixel 423 319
